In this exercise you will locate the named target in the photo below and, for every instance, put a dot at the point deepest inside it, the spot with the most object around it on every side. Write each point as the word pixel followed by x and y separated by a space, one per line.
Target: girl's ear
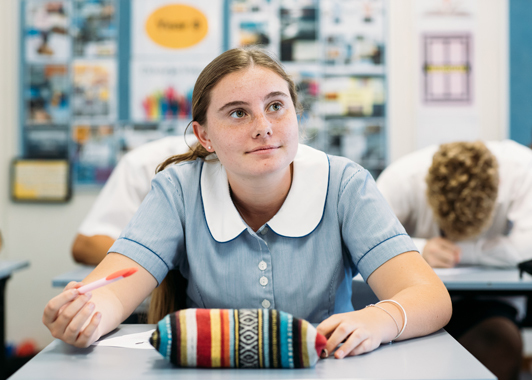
pixel 203 137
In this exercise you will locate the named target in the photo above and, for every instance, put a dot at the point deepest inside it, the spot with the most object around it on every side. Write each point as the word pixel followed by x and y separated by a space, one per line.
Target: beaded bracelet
pixel 390 314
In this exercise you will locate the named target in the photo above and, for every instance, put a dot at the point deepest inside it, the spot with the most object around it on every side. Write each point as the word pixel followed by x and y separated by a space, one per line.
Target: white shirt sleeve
pixel 514 245
pixel 128 185
pixel 117 202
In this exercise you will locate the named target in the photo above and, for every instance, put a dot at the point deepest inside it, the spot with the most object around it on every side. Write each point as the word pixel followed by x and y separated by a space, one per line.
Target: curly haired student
pixel 253 219
pixel 470 203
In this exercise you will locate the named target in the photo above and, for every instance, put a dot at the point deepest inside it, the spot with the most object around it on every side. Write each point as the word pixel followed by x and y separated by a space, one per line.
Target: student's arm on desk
pixel 407 279
pixel 70 316
pixel 499 251
pixel 91 250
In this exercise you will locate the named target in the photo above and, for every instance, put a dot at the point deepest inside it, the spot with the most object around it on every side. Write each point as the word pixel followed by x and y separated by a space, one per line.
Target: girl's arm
pixel 82 319
pixel 406 279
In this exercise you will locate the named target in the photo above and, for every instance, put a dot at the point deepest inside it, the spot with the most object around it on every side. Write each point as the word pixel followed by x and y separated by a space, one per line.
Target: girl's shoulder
pixel 343 169
pixel 183 174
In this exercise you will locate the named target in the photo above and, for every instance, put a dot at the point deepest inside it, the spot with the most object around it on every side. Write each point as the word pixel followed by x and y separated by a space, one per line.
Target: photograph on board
pixel 94 92
pixel 46 141
pixel 352 96
pixel 94 28
pixel 46 31
pixel 353 32
pixel 93 155
pixel 299 31
pixel 47 94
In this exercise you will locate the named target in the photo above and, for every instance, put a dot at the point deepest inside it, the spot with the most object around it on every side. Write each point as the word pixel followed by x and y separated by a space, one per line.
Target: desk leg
pixel 3 361
pixel 527 322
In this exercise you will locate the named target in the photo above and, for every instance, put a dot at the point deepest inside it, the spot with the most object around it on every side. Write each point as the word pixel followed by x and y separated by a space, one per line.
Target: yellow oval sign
pixel 177 26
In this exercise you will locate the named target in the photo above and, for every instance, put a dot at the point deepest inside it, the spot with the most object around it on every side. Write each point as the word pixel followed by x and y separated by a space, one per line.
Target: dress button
pixel 263 281
pixel 264 231
pixel 263 265
pixel 266 304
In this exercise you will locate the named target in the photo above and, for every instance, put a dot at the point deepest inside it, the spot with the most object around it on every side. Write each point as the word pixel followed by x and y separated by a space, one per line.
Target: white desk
pixel 6 269
pixel 437 356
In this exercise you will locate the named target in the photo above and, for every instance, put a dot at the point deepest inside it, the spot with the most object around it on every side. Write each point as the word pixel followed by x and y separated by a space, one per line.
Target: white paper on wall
pixel 183 29
pixel 162 90
pixel 446 110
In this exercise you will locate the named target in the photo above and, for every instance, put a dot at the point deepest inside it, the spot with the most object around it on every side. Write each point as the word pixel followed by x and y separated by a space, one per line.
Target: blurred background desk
pixel 472 281
pixel 482 279
pixel 437 356
pixel 6 269
pixel 466 281
pixel 77 274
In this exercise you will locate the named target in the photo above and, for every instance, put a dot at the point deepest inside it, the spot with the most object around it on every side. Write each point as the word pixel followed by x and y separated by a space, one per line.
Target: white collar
pixel 300 213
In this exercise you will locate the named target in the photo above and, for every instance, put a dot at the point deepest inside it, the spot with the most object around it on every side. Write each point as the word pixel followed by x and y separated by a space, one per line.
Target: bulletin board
pixel 100 77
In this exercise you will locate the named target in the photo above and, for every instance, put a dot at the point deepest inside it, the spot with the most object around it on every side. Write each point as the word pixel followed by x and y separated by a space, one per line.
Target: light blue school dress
pixel 333 224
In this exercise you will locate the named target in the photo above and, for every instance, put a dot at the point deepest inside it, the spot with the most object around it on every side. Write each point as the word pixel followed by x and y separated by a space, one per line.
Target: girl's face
pixel 251 123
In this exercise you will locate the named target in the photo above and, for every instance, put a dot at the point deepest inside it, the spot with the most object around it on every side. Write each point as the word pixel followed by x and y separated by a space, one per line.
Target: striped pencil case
pixel 237 338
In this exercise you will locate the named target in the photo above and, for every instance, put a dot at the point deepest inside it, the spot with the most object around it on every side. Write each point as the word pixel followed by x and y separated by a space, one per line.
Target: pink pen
pixel 118 275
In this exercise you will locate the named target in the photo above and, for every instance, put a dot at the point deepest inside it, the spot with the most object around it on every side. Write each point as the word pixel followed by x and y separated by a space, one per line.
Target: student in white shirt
pixel 470 203
pixel 122 195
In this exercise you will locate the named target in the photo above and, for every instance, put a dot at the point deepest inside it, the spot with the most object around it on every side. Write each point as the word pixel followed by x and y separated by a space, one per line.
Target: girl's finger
pixel 327 327
pixel 342 331
pixel 67 315
pixel 75 325
pixel 87 336
pixel 73 285
pixel 356 337
pixel 51 311
pixel 365 346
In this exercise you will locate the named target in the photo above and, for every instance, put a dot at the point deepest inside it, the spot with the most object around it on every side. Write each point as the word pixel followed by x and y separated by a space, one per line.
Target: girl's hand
pixel 361 331
pixel 67 315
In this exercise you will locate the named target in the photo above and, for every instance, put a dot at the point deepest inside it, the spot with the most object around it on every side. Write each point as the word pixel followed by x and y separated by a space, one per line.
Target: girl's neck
pixel 258 200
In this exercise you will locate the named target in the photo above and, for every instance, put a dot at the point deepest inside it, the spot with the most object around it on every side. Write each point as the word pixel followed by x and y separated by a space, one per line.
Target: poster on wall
pixel 353 33
pixel 162 91
pixel 46 141
pixel 299 31
pixel 94 28
pixel 254 23
pixel 447 64
pixel 47 94
pixel 94 92
pixel 446 110
pixel 352 96
pixel 46 31
pixel 189 29
pixel 94 153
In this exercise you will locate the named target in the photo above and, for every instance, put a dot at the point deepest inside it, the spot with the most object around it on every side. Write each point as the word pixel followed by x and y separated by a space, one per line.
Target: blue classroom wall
pixel 520 30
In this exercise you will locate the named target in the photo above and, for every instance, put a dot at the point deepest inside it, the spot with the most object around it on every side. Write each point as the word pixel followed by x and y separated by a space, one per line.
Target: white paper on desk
pixel 138 341
pixel 442 272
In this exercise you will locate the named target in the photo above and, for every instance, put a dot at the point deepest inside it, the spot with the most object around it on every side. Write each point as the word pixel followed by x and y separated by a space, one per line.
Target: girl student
pixel 253 219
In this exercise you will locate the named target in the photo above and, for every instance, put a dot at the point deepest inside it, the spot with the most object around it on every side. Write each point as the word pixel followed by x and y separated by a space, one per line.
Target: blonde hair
pixel 164 298
pixel 462 186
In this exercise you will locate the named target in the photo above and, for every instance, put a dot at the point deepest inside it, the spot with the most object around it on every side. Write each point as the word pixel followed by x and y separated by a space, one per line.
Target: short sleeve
pixel 154 237
pixel 371 232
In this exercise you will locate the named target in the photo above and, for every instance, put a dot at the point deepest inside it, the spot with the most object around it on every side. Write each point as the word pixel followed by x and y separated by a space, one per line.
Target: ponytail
pixel 170 295
pixel 196 151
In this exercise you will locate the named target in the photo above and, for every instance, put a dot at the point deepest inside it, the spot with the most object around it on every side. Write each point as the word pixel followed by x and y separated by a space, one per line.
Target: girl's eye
pixel 276 107
pixel 238 114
